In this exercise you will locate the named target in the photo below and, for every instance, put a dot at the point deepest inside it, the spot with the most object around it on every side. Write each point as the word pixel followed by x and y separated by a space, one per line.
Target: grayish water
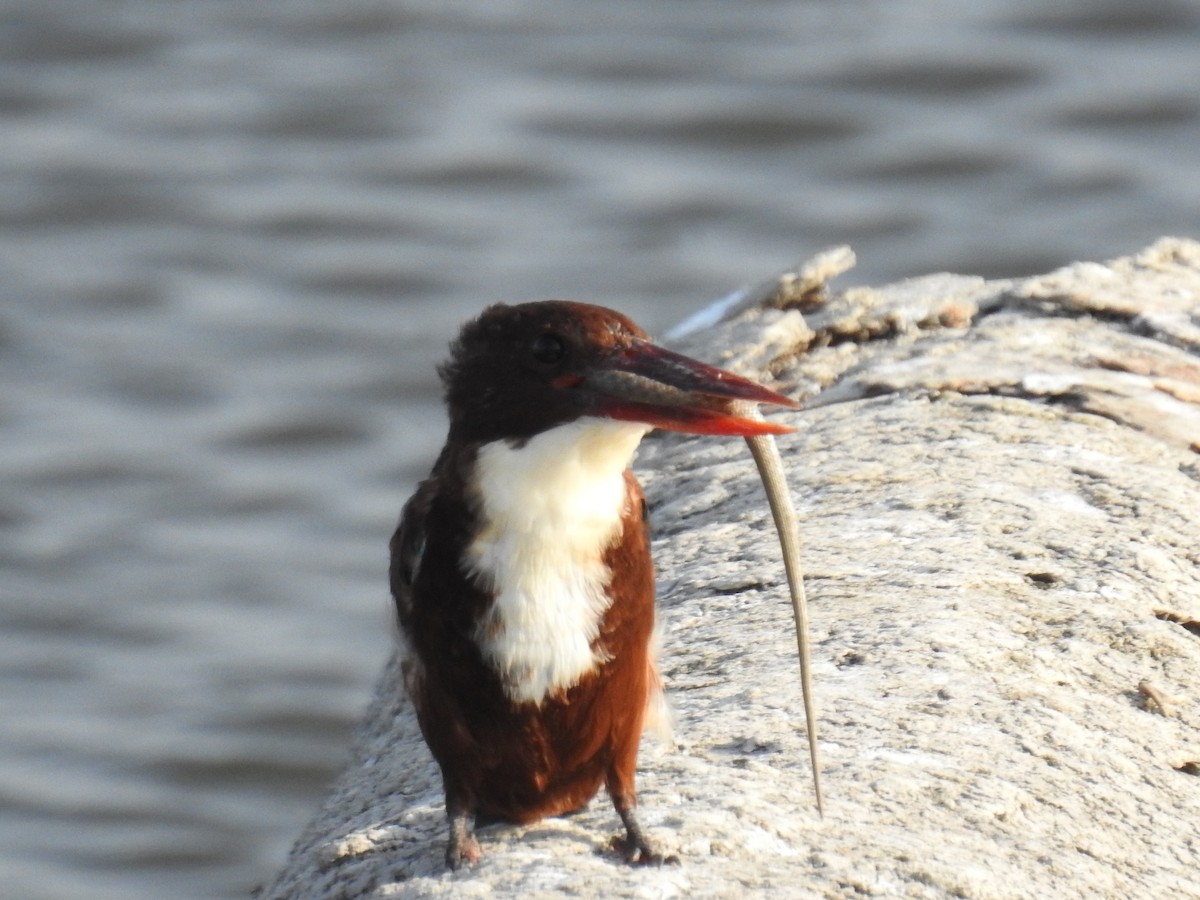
pixel 235 238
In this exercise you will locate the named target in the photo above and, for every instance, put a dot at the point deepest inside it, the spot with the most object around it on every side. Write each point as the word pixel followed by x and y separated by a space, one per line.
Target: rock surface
pixel 999 490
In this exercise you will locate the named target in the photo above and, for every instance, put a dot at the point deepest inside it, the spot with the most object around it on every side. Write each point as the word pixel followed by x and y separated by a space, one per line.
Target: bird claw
pixel 642 853
pixel 462 852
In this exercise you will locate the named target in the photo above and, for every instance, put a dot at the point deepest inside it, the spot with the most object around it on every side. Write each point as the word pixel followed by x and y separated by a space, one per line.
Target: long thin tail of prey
pixel 770 470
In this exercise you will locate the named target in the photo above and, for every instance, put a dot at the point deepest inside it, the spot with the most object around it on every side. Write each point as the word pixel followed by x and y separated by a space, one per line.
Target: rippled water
pixel 235 238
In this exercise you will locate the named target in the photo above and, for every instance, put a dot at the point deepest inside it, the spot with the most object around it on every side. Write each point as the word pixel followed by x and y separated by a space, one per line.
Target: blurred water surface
pixel 236 237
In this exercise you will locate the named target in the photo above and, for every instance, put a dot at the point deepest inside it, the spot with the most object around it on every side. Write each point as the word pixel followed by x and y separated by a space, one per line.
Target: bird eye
pixel 548 348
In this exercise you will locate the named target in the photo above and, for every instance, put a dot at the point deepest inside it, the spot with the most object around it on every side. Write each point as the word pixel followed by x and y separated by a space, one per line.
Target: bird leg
pixel 635 847
pixel 463 849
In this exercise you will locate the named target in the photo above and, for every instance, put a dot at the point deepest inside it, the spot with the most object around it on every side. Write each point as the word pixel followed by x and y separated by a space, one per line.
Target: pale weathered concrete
pixel 1002 542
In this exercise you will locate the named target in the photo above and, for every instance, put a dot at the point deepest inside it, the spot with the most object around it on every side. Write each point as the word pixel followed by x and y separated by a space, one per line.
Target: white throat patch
pixel 550 510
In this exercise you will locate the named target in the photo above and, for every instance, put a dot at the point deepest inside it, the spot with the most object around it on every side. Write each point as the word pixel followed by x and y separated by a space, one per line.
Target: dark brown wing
pixel 457 699
pixel 408 549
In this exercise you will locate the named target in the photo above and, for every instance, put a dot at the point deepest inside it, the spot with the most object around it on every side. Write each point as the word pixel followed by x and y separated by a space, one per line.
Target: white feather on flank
pixel 551 507
pixel 658 721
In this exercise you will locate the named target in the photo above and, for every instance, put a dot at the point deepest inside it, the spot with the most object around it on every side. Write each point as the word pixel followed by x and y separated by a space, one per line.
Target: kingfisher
pixel 521 566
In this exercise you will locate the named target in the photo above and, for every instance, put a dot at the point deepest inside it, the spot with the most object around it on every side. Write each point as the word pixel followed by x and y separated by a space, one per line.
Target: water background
pixel 235 238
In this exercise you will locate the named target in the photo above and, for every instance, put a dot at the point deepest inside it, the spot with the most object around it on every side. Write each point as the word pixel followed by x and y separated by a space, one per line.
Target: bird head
pixel 516 371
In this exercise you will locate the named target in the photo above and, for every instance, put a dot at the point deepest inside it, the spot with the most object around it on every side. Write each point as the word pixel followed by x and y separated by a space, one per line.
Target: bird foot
pixel 464 851
pixel 635 847
pixel 463 848
pixel 642 852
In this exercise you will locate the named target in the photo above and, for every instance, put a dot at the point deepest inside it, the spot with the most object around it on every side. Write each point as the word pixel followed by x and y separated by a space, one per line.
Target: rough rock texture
pixel 1002 548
